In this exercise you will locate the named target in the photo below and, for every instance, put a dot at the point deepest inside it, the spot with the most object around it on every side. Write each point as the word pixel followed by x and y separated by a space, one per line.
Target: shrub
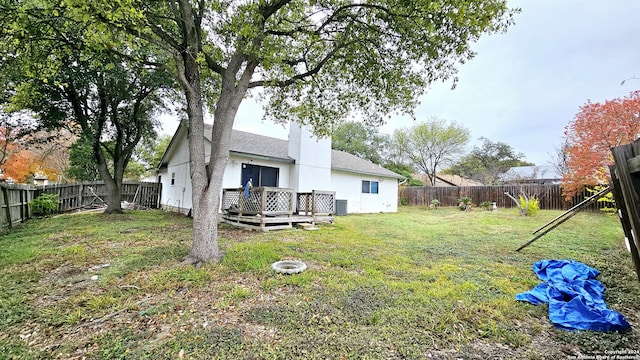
pixel 44 204
pixel 528 207
pixel 607 199
pixel 435 203
pixel 464 203
pixel 486 205
pixel 404 201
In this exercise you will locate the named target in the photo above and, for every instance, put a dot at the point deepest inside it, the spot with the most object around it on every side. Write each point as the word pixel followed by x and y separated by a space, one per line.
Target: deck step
pixel 307 226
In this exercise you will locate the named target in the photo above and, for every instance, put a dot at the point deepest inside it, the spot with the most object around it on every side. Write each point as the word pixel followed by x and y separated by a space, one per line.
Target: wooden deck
pixel 267 223
pixel 269 208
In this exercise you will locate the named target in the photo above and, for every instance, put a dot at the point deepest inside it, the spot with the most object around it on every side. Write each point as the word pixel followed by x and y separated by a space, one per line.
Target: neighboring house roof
pixel 457 180
pixel 249 144
pixel 539 172
pixel 448 180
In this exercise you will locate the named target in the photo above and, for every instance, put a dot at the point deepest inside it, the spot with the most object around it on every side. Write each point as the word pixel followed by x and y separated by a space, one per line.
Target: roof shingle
pixel 253 144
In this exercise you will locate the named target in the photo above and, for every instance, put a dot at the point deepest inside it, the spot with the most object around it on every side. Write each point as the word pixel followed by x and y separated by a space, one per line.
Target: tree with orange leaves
pixel 10 134
pixel 19 166
pixel 10 137
pixel 25 164
pixel 7 146
pixel 590 136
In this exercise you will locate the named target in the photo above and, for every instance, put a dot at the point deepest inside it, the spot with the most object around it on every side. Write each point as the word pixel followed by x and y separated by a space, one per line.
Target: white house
pixel 303 163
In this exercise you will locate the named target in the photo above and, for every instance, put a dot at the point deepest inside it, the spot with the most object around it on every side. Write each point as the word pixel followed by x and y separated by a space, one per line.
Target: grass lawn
pixel 412 285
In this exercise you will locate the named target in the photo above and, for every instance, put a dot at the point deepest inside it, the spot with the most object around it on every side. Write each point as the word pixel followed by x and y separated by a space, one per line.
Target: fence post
pixel 5 194
pixel 159 197
pixel 23 217
pixel 1 221
pixel 30 197
pixel 80 197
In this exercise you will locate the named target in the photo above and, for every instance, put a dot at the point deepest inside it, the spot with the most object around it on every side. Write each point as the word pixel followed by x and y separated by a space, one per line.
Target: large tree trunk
pixel 207 185
pixel 113 184
pixel 113 197
pixel 204 198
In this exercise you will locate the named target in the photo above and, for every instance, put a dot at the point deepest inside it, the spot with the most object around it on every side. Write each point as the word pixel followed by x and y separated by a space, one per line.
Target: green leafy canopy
pixel 486 162
pixel 317 61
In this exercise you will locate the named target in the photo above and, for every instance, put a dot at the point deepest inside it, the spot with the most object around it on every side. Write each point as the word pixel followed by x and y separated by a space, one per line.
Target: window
pixel 366 186
pixel 259 175
pixel 369 187
pixel 173 178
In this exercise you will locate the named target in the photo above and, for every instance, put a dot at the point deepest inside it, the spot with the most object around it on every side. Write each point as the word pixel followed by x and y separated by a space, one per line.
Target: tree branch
pixel 305 74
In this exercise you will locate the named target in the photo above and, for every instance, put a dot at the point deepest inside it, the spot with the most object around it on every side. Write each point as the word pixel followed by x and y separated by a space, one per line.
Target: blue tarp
pixel 574 296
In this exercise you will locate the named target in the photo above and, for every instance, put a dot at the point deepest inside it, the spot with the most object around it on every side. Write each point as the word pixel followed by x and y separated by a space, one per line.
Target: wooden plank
pixel 624 218
pixel 256 227
pixel 628 186
pixel 5 194
pixel 267 219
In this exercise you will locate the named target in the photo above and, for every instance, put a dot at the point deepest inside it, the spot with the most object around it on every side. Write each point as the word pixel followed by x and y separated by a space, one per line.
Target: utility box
pixel 341 207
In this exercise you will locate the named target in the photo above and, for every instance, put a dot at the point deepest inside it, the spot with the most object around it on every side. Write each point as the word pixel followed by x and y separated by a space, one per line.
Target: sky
pixel 523 87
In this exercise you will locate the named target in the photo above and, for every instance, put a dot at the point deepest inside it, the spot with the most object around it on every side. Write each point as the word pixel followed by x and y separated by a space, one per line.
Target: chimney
pixel 312 168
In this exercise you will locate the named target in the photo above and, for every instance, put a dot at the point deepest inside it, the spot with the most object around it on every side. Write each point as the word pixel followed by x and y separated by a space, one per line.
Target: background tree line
pixel 582 158
pixel 93 103
pixel 430 147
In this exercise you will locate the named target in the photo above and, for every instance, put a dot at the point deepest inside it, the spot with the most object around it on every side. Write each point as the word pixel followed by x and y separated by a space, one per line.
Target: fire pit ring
pixel 288 267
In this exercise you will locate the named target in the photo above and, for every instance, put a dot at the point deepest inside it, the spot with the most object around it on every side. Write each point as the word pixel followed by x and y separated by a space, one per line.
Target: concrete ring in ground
pixel 288 266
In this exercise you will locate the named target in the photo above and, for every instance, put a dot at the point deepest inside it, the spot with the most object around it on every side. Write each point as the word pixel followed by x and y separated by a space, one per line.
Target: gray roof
pixel 277 149
pixel 540 172
pixel 253 144
pixel 344 161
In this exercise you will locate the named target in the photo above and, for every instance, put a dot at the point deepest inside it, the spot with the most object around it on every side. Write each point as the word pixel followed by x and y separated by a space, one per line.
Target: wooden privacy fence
pixel 77 196
pixel 549 196
pixel 14 205
pixel 15 199
pixel 625 179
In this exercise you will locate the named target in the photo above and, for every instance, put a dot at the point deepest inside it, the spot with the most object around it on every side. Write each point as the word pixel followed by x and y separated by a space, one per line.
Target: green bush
pixel 607 199
pixel 44 204
pixel 528 208
pixel 464 203
pixel 486 205
pixel 435 203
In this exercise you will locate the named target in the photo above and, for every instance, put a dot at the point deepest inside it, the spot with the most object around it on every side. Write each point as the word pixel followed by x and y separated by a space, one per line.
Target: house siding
pixel 233 171
pixel 308 165
pixel 177 197
pixel 348 186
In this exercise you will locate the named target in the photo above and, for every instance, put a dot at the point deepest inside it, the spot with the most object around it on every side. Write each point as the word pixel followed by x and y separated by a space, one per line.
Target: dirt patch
pixel 235 234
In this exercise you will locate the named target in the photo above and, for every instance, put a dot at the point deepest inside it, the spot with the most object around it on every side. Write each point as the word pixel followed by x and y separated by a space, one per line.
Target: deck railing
pixel 260 200
pixel 316 203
